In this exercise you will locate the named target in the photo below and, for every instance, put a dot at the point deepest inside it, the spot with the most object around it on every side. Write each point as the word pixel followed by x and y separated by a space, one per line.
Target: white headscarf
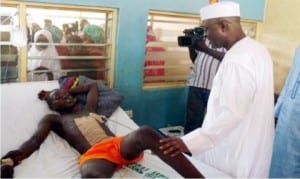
pixel 46 61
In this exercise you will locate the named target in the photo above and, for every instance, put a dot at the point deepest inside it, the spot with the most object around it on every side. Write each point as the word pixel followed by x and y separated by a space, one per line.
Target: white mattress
pixel 21 111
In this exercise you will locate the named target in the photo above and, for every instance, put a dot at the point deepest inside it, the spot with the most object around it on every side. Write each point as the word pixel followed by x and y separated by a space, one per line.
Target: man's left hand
pixel 172 146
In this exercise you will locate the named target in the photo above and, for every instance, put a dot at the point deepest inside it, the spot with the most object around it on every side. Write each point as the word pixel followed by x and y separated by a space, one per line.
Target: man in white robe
pixel 238 129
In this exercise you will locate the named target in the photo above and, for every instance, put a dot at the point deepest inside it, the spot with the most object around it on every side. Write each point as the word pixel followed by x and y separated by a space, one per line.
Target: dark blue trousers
pixel 196 108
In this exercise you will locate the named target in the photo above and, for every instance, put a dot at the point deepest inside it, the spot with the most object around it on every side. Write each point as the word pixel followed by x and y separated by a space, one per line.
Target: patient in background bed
pixel 102 153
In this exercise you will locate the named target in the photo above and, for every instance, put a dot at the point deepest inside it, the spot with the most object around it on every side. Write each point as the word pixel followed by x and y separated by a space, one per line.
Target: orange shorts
pixel 109 150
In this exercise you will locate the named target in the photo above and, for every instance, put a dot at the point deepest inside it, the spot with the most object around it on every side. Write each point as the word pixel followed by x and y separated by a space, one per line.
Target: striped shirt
pixel 204 69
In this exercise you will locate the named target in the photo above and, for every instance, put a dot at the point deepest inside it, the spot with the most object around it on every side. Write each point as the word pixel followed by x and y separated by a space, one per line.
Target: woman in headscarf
pixel 83 23
pixel 46 58
pixel 57 36
pixel 95 34
pixel 75 64
pixel 56 33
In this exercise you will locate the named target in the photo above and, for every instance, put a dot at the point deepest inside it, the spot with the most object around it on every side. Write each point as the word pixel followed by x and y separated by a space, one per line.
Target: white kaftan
pixel 238 130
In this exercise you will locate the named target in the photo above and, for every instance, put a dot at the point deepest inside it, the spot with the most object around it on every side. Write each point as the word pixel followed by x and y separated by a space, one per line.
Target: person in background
pixel 286 150
pixel 83 23
pixel 206 60
pixel 57 36
pixel 67 31
pixel 56 33
pixel 34 28
pixel 47 23
pixel 80 51
pixel 93 34
pixel 101 152
pixel 43 58
pixel 67 34
pixel 238 130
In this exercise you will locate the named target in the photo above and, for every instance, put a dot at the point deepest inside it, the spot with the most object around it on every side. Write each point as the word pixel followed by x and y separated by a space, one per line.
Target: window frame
pixel 248 24
pixel 151 20
pixel 22 7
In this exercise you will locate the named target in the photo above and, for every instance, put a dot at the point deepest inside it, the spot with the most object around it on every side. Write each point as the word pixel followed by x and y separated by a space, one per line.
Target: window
pixel 65 41
pixel 167 64
pixel 9 53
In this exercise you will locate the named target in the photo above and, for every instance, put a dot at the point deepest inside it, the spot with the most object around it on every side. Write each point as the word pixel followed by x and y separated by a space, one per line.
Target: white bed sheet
pixel 21 111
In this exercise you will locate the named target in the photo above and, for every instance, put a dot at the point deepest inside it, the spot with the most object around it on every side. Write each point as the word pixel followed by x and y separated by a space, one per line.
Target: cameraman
pixel 206 60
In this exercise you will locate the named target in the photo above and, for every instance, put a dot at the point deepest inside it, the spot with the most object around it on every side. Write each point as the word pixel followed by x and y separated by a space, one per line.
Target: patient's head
pixel 58 100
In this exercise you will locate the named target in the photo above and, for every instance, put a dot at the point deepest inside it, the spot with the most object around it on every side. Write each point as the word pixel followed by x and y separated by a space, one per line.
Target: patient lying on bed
pixel 102 152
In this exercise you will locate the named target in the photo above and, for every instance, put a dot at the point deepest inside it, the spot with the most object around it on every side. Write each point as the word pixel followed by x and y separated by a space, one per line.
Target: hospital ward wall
pixel 154 107
pixel 280 33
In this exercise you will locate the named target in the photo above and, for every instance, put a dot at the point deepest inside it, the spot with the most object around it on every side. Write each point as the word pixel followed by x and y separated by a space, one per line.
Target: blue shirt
pixel 286 151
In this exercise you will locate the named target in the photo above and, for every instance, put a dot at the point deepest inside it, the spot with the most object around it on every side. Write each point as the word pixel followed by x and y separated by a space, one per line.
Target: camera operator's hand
pixel 201 46
pixel 188 33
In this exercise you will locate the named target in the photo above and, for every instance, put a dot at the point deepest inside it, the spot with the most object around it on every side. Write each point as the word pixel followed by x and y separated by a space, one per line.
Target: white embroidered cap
pixel 221 9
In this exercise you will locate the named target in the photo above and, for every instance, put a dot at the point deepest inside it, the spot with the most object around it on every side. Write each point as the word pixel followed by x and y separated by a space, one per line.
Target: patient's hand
pixel 13 158
pixel 7 168
pixel 9 161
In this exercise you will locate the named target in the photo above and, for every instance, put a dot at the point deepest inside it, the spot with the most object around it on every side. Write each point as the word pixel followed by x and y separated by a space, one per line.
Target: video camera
pixel 192 37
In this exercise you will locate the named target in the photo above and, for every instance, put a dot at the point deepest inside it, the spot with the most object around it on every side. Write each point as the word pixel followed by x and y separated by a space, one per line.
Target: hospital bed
pixel 21 111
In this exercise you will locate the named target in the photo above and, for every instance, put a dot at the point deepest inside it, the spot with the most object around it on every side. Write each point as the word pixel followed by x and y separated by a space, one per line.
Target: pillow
pixel 109 101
